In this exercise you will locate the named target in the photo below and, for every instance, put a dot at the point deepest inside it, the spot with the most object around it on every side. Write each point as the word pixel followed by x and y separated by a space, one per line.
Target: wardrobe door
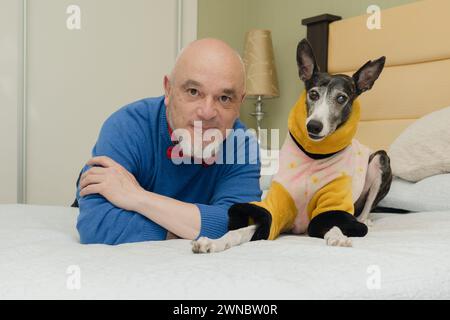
pixel 10 90
pixel 86 59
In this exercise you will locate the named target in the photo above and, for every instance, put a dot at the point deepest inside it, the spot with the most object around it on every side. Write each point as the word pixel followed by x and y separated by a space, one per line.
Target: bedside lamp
pixel 262 81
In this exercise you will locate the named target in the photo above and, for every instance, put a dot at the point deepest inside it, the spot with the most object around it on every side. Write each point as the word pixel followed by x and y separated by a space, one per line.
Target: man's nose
pixel 207 110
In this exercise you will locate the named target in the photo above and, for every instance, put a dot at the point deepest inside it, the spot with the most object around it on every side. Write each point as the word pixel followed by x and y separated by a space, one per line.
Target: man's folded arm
pixel 100 221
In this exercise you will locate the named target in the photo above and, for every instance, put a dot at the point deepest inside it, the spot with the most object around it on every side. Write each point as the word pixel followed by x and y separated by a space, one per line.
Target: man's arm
pixel 240 183
pixel 100 221
pixel 190 221
pixel 178 217
pixel 119 187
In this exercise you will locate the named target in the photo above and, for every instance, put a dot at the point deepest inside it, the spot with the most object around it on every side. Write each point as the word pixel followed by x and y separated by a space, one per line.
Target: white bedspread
pixel 403 256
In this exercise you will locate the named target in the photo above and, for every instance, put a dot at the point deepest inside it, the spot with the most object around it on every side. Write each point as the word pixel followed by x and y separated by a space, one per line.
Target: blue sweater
pixel 137 137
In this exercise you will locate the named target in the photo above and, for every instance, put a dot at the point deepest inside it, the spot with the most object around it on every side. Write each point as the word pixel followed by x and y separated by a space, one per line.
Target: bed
pixel 403 256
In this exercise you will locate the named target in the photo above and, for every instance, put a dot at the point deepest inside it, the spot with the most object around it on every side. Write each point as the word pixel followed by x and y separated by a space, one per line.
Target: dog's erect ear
pixel 366 75
pixel 306 61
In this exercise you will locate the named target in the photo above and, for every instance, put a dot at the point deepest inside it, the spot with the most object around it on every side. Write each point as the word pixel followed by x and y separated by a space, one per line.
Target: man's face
pixel 203 92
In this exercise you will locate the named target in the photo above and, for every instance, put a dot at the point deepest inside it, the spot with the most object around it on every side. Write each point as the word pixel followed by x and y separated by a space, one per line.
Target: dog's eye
pixel 341 99
pixel 313 95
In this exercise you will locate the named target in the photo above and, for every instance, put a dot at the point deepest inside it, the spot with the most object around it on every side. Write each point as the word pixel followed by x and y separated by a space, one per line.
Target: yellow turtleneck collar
pixel 335 142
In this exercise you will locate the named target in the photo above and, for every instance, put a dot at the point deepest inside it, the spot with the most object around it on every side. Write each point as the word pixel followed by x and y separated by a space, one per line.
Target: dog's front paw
pixel 335 237
pixel 203 245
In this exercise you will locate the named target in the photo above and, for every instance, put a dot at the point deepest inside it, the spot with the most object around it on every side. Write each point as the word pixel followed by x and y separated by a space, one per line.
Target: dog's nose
pixel 314 126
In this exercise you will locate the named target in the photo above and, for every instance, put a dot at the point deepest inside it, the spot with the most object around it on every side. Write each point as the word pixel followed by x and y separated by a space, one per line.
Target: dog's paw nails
pixel 336 238
pixel 339 242
pixel 203 245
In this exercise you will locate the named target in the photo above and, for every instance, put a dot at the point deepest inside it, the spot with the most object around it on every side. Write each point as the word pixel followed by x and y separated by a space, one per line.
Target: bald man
pixel 150 178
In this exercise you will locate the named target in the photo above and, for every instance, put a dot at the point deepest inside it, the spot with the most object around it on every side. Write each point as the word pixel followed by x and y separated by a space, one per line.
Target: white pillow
pixel 423 149
pixel 429 194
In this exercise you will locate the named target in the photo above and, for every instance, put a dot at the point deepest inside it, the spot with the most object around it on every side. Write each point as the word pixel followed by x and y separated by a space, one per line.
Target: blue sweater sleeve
pixel 239 184
pixel 99 221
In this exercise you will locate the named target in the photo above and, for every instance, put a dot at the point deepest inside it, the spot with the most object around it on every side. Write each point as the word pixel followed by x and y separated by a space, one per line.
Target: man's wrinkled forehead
pixel 214 78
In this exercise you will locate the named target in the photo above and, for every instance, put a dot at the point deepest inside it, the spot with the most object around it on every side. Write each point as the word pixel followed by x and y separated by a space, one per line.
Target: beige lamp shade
pixel 260 64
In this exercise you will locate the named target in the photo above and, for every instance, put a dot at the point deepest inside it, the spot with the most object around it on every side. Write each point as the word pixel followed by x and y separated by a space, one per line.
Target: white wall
pixel 76 78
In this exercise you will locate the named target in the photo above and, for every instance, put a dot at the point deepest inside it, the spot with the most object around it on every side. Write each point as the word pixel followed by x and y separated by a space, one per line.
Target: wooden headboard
pixel 415 39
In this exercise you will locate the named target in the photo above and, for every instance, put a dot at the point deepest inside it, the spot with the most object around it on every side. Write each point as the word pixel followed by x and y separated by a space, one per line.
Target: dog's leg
pixel 373 180
pixel 377 184
pixel 230 239
pixel 335 227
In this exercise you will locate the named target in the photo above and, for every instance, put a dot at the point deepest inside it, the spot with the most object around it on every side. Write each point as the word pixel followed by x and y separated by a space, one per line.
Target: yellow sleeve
pixel 281 207
pixel 274 215
pixel 335 196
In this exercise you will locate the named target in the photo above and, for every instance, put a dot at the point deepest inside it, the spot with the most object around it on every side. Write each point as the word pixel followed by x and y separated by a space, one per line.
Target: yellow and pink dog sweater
pixel 305 187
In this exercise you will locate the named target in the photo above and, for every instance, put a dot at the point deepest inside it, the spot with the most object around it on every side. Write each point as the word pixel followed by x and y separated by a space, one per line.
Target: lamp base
pixel 259 115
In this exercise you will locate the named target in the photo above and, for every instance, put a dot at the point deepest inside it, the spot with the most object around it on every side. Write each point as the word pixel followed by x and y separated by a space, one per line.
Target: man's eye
pixel 313 95
pixel 193 92
pixel 341 99
pixel 225 99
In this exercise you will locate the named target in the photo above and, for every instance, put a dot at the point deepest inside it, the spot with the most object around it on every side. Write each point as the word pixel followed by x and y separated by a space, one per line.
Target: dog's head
pixel 329 98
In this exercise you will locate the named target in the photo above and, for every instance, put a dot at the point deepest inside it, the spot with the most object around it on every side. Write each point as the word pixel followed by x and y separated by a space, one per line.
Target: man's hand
pixel 112 181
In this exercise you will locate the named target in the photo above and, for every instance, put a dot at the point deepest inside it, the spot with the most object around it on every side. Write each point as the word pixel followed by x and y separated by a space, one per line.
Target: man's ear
pixel 366 75
pixel 306 61
pixel 167 88
pixel 243 97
